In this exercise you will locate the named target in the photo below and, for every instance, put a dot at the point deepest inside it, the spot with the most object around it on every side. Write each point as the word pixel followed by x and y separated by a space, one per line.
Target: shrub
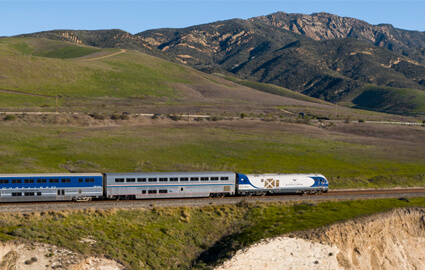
pixel 10 117
pixel 98 116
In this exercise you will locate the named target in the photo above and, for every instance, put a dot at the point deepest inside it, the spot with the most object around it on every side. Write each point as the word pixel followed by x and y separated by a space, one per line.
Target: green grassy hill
pixel 388 99
pixel 36 70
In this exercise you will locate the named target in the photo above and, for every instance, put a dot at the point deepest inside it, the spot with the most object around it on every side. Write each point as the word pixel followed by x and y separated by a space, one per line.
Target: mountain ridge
pixel 321 55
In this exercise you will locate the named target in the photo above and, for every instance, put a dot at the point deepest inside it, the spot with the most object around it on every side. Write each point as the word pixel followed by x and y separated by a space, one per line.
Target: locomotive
pixel 87 186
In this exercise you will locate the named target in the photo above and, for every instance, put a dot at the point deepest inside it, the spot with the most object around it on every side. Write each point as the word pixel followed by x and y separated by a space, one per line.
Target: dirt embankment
pixel 393 240
pixel 35 256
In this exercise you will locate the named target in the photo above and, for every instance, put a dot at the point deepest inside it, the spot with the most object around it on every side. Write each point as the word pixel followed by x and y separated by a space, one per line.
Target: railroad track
pixel 199 202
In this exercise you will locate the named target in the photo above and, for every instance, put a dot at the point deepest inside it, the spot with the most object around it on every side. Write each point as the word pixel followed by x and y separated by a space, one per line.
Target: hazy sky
pixel 20 17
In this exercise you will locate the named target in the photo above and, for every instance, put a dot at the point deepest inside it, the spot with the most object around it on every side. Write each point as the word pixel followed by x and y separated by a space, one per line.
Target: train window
pixel 163 191
pixel 183 179
pixel 4 181
pixel 16 194
pixel 16 181
pixel 152 191
pixel 29 194
pixel 89 180
pixel 131 180
pixel 119 180
pixel 28 181
pixel 214 178
pixel 163 179
pixel 225 178
pixel 194 179
pixel 66 180
pixel 205 178
pixel 80 180
pixel 41 181
pixel 143 191
pixel 174 179
pixel 53 180
pixel 153 180
pixel 141 179
pixel 38 193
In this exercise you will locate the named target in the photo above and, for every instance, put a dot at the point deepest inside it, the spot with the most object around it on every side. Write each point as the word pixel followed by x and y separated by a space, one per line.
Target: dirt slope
pixel 393 240
pixel 34 256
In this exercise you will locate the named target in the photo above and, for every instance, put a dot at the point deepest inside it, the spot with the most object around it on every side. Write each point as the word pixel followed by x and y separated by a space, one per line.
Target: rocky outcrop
pixel 393 240
pixel 325 26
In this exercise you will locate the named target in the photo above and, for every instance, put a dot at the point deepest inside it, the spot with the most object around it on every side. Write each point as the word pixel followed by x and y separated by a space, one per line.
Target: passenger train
pixel 87 186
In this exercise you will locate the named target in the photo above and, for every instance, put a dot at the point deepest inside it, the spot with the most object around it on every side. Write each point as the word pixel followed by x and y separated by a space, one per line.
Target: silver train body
pixel 169 185
pixel 80 187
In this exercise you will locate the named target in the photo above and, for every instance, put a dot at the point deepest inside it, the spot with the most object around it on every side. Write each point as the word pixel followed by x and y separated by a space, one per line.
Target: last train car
pixel 169 185
pixel 50 187
pixel 261 184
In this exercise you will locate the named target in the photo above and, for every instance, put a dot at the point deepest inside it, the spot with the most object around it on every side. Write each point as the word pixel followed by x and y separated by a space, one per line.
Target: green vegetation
pixel 273 89
pixel 389 99
pixel 31 66
pixel 346 159
pixel 178 238
pixel 50 48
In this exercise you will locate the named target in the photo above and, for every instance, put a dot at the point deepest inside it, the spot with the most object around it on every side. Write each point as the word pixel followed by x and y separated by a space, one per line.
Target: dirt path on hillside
pixel 97 56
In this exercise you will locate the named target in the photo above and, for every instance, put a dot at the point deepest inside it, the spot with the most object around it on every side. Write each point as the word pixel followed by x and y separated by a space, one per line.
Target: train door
pixel 182 190
pixel 60 194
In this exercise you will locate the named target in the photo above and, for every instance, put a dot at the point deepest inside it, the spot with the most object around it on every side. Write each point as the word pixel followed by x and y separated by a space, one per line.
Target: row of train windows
pixel 171 179
pixel 19 194
pixel 161 191
pixel 42 181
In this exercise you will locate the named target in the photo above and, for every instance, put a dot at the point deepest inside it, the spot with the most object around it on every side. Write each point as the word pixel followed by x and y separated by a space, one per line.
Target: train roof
pixel 50 174
pixel 168 173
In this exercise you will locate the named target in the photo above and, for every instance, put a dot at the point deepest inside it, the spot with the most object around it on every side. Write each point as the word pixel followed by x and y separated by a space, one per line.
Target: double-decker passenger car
pixel 50 187
pixel 169 184
pixel 261 184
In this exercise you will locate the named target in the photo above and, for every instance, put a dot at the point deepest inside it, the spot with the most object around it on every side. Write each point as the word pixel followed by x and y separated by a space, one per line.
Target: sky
pixel 134 16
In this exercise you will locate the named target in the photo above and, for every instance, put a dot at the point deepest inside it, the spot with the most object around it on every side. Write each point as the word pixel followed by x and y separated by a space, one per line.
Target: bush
pixel 117 116
pixel 10 117
pixel 98 116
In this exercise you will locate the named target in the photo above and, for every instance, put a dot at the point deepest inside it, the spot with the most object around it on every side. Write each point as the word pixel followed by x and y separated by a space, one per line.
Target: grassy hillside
pixel 35 71
pixel 389 99
pixel 126 75
pixel 181 238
